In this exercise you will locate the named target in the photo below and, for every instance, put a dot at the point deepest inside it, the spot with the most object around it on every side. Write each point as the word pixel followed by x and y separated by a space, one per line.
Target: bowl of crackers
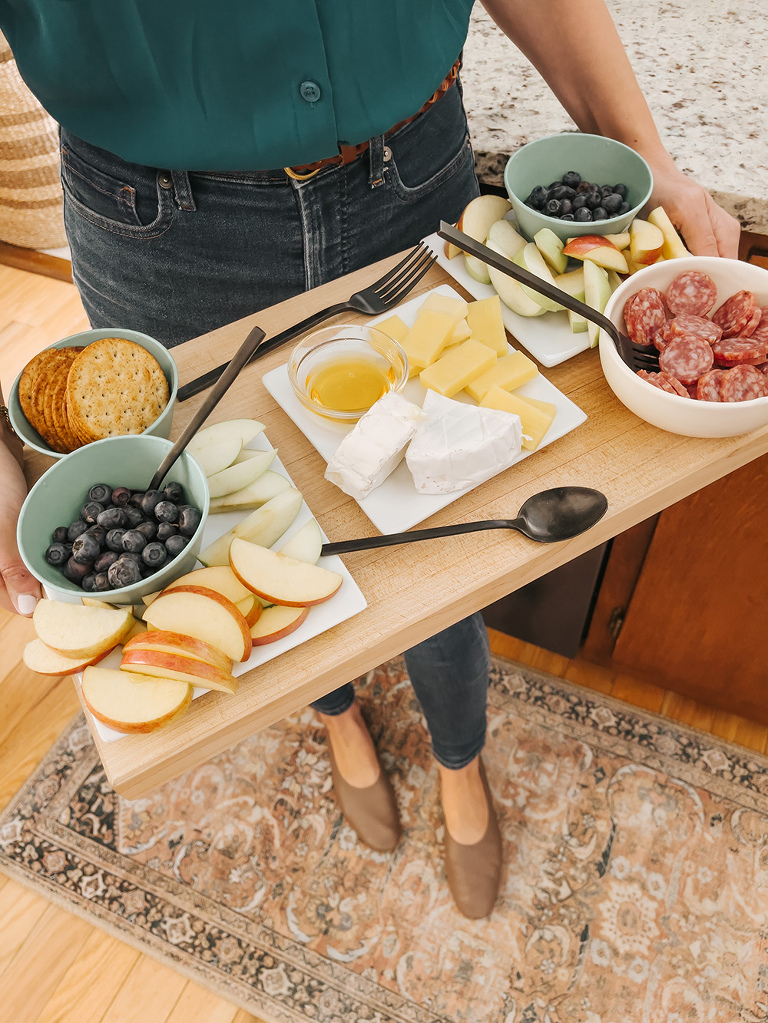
pixel 93 385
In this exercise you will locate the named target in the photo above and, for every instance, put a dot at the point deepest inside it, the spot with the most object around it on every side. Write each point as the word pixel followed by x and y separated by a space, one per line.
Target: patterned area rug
pixel 636 886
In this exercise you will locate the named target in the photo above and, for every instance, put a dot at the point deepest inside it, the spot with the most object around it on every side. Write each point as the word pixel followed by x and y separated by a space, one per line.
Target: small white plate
pixel 346 603
pixel 396 504
pixel 548 338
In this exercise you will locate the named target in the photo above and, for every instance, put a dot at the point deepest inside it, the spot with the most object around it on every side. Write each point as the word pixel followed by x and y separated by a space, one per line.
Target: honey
pixel 350 383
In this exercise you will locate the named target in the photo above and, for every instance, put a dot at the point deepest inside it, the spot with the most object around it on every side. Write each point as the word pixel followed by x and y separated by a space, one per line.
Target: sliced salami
pixel 686 359
pixel 689 325
pixel 664 382
pixel 742 383
pixel 760 333
pixel 659 340
pixel 691 292
pixel 735 313
pixel 708 385
pixel 751 327
pixel 644 313
pixel 739 351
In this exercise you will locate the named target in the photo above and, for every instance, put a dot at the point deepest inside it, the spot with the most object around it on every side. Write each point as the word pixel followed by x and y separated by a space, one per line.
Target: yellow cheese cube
pixel 535 419
pixel 545 406
pixel 486 324
pixel 453 307
pixel 427 337
pixel 458 367
pixel 460 333
pixel 394 327
pixel 510 371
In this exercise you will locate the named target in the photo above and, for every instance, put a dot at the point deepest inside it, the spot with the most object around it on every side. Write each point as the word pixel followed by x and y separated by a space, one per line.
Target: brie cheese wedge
pixel 460 445
pixel 375 447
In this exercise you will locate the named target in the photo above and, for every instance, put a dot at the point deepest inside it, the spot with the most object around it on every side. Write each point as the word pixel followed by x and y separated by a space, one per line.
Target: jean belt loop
pixel 376 158
pixel 183 191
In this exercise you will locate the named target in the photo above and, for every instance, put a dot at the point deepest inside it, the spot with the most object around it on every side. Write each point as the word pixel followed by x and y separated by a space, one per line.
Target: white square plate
pixel 396 505
pixel 548 338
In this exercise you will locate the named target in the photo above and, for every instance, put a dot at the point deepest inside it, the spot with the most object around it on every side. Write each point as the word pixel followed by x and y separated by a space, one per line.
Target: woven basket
pixel 30 185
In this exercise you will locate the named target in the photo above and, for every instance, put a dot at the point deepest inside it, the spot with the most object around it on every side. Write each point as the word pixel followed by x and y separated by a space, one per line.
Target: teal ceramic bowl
pixel 597 159
pixel 161 426
pixel 58 495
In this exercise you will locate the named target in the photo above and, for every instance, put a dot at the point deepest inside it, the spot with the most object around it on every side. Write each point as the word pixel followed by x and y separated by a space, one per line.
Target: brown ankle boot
pixel 474 871
pixel 371 812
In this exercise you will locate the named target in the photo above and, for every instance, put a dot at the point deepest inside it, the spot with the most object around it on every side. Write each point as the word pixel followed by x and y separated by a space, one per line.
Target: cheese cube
pixel 486 324
pixel 460 365
pixel 427 337
pixel 510 372
pixel 453 307
pixel 394 327
pixel 536 416
pixel 460 333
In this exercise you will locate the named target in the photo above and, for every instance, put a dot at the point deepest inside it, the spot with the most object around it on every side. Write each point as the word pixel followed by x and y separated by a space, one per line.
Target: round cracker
pixel 41 394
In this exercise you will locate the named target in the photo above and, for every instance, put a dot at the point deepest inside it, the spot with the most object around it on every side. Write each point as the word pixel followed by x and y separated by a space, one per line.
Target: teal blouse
pixel 232 84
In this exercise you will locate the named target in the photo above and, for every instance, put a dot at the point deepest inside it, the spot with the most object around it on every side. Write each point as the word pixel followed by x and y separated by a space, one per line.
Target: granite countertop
pixel 701 65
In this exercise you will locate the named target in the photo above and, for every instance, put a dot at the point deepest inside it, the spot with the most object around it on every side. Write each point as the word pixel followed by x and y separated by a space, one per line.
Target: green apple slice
pixel 510 292
pixel 531 259
pixel 551 247
pixel 597 291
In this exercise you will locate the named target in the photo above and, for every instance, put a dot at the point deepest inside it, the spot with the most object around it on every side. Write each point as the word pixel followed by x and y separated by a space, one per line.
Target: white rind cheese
pixel 460 445
pixel 375 447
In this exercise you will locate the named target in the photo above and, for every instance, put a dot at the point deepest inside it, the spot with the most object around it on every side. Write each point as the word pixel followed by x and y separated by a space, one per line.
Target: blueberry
pixel 620 190
pixel 75 571
pixel 124 572
pixel 155 554
pixel 90 510
pixel 58 553
pixel 111 518
pixel 166 511
pixel 104 560
pixel 150 529
pixel 75 529
pixel 164 530
pixel 114 540
pixel 150 500
pixel 594 199
pixel 85 549
pixel 599 214
pixel 611 203
pixel 60 535
pixel 571 178
pixel 189 519
pixel 101 582
pixel 89 582
pixel 566 208
pixel 568 216
pixel 120 496
pixel 562 192
pixel 537 198
pixel 175 545
pixel 173 492
pixel 579 201
pixel 552 208
pixel 136 498
pixel 133 516
pixel 583 215
pixel 134 541
pixel 583 187
pixel 100 492
pixel 624 208
pixel 606 190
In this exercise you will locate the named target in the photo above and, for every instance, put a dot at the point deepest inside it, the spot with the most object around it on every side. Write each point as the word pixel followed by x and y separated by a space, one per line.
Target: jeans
pixel 178 253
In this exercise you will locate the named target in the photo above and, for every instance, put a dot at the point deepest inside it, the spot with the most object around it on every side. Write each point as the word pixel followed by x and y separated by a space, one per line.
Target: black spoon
pixel 551 516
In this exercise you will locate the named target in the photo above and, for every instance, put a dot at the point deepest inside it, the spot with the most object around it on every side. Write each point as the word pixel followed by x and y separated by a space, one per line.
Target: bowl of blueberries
pixel 90 527
pixel 577 184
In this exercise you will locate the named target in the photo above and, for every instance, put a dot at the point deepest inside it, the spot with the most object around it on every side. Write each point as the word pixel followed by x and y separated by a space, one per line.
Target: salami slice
pixel 689 325
pixel 708 385
pixel 691 292
pixel 658 339
pixel 735 313
pixel 751 327
pixel 738 351
pixel 686 360
pixel 760 333
pixel 664 382
pixel 742 383
pixel 644 313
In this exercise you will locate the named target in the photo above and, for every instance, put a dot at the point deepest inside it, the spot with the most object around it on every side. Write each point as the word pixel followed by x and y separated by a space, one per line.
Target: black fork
pixel 635 356
pixel 378 297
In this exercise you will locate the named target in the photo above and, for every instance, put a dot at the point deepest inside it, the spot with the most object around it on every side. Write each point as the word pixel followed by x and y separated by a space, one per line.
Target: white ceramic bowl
pixel 670 412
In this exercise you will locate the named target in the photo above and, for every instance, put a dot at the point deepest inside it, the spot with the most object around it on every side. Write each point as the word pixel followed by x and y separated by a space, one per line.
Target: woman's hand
pixel 19 590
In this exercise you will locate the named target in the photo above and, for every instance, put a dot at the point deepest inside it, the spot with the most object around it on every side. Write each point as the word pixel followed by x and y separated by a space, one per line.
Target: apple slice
pixel 267 486
pixel 139 628
pixel 673 246
pixel 504 236
pixel 508 290
pixel 551 247
pixel 572 283
pixel 645 242
pixel 204 614
pixel 159 664
pixel 218 577
pixel 621 241
pixel 243 429
pixel 180 644
pixel 529 258
pixel 599 250
pixel 279 579
pixel 305 545
pixel 250 608
pixel 240 474
pixel 276 623
pixel 215 457
pixel 480 213
pixel 578 323
pixel 77 630
pixel 45 661
pixel 132 703
pixel 451 250
pixel 477 269
pixel 264 526
pixel 597 291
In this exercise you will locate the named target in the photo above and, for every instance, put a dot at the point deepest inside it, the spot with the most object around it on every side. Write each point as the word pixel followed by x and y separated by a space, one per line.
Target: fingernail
pixel 25 603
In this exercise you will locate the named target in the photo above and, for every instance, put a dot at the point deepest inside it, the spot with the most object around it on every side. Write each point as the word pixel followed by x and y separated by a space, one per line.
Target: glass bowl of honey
pixel 339 372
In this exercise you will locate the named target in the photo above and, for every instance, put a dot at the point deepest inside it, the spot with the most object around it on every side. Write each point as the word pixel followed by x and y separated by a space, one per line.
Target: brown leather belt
pixel 347 154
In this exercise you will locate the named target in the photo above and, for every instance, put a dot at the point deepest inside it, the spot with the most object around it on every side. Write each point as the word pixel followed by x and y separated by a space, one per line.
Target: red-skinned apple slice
pixel 218 577
pixel 133 703
pixel 77 630
pixel 645 242
pixel 599 250
pixel 281 580
pixel 159 664
pixel 204 614
pixel 250 608
pixel 181 644
pixel 673 246
pixel 45 661
pixel 277 622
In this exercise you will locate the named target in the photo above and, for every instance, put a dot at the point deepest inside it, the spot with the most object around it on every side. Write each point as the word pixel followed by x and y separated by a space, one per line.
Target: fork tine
pixel 406 279
pixel 403 269
pixel 410 284
pixel 412 254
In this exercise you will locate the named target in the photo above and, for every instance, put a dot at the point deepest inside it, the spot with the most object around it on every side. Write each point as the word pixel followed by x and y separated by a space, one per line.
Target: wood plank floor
pixel 55 968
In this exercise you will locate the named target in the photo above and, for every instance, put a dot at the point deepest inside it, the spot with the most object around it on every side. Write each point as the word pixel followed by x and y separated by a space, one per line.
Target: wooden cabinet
pixel 684 598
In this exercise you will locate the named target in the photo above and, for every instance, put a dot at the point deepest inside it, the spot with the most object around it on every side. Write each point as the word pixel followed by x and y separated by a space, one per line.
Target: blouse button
pixel 310 91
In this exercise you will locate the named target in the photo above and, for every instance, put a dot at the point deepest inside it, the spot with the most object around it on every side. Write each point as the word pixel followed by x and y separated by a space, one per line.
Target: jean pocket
pixel 458 162
pixel 111 203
